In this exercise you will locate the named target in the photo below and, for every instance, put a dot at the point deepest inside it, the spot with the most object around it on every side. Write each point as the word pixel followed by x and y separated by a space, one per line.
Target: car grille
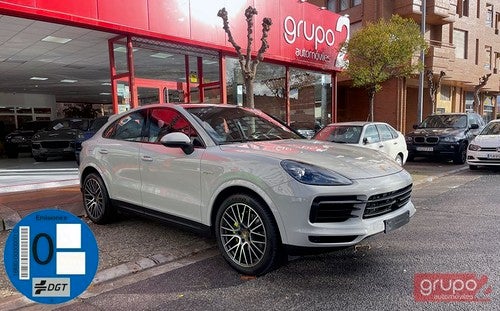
pixel 490 149
pixel 426 140
pixel 384 203
pixel 55 144
pixel 328 209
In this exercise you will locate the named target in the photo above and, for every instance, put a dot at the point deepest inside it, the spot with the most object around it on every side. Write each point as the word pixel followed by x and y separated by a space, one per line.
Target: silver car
pixel 243 177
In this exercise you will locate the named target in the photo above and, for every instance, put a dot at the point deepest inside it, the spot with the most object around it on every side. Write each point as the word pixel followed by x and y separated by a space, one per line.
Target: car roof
pixel 355 123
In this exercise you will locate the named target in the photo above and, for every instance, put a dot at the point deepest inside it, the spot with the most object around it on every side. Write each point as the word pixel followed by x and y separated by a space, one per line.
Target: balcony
pixel 439 12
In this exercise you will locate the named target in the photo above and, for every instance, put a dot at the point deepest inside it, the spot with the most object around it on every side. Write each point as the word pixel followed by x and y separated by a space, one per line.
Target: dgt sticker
pixel 51 256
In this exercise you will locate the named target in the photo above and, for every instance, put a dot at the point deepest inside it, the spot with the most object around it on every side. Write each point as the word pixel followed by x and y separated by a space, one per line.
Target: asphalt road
pixel 455 230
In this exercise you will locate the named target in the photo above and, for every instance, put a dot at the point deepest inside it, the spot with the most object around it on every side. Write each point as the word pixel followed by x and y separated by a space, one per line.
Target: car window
pixel 492 128
pixel 394 133
pixel 163 121
pixel 371 134
pixel 385 133
pixel 340 134
pixel 444 121
pixel 128 127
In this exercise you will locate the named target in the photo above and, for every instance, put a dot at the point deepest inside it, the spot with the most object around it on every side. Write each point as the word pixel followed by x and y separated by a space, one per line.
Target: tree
pixel 381 51
pixel 477 89
pixel 247 64
pixel 434 85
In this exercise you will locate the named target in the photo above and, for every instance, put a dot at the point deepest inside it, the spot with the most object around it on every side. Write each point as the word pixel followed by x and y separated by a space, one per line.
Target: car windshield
pixel 492 128
pixel 34 126
pixel 230 124
pixel 444 121
pixel 66 124
pixel 347 134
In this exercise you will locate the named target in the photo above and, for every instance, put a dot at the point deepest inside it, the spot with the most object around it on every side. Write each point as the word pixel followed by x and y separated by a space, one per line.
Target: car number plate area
pixel 494 155
pixel 427 149
pixel 396 222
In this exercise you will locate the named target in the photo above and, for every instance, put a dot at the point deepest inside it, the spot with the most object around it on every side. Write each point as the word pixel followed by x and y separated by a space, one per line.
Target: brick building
pixel 464 40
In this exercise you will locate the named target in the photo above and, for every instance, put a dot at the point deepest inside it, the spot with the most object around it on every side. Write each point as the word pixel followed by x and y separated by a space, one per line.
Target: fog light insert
pixel 332 239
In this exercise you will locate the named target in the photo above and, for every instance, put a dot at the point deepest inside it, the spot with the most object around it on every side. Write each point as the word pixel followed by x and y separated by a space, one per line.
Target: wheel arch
pixel 260 196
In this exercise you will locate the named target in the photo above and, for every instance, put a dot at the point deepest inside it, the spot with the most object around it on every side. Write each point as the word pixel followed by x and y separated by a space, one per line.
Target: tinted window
pixel 340 134
pixel 445 121
pixel 128 127
pixel 164 121
pixel 98 123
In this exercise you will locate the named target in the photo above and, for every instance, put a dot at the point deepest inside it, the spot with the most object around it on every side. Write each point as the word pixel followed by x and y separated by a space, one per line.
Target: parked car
pixel 58 140
pixel 374 135
pixel 20 140
pixel 484 149
pixel 82 136
pixel 444 135
pixel 239 174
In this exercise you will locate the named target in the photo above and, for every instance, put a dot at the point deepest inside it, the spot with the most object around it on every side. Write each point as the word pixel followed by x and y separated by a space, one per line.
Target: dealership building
pixel 122 54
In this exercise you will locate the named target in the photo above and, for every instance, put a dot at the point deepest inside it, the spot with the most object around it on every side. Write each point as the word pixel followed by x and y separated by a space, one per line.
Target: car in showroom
pixel 374 135
pixel 20 140
pixel 58 139
pixel 445 135
pixel 238 174
pixel 484 150
pixel 82 136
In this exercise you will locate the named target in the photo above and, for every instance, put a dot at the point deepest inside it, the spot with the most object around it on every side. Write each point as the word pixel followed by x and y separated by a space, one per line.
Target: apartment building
pixel 464 43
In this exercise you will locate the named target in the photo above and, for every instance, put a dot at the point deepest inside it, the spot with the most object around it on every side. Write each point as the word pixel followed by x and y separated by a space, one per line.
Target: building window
pixel 463 8
pixel 495 68
pixel 445 93
pixel 341 5
pixel 487 57
pixel 460 42
pixel 489 15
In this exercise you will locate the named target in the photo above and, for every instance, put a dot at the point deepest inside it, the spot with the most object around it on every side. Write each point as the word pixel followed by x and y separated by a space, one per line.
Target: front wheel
pixel 96 200
pixel 247 235
pixel 399 159
pixel 461 156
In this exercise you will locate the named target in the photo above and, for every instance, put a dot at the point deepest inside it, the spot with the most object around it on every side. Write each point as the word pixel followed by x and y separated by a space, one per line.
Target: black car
pixel 20 140
pixel 84 135
pixel 444 135
pixel 58 140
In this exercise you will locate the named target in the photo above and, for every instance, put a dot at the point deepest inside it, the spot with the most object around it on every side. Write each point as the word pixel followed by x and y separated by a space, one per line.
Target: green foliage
pixel 384 50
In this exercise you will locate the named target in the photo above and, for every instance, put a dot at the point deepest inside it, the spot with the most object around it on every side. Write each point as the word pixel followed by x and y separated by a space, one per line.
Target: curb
pixel 432 178
pixel 18 301
pixel 38 186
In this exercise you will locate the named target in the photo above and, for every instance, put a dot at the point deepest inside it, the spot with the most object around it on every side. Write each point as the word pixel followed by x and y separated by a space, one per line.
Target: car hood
pixel 487 141
pixel 436 132
pixel 61 134
pixel 350 161
pixel 26 134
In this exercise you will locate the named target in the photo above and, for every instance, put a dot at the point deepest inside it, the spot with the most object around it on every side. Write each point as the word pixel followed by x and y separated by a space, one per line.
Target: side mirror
pixel 415 126
pixel 474 126
pixel 366 140
pixel 178 140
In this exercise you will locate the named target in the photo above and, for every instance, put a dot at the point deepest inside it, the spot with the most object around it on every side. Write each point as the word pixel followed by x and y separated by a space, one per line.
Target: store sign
pixel 316 42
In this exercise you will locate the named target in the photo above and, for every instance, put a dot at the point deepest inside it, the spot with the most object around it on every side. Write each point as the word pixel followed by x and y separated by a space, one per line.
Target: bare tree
pixel 482 82
pixel 247 64
pixel 434 85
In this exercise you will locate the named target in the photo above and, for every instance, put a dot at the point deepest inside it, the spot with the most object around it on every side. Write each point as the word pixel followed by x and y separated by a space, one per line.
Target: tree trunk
pixel 371 96
pixel 249 94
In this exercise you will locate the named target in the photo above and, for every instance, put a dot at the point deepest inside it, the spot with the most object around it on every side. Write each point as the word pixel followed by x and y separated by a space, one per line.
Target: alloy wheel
pixel 93 198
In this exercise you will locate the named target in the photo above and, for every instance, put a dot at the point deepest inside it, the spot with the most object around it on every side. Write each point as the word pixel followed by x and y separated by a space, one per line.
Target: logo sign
pixel 51 256
pixel 439 287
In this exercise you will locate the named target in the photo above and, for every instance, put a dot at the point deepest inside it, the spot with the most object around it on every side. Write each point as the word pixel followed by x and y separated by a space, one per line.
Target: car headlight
pixel 449 139
pixel 409 139
pixel 80 136
pixel 313 175
pixel 35 137
pixel 474 147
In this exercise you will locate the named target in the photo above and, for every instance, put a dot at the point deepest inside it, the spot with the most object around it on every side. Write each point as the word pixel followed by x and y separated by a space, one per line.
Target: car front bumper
pixel 483 158
pixel 427 150
pixel 300 230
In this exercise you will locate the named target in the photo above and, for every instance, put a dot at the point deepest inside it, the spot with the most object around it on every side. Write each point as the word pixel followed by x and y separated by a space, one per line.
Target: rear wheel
pixel 399 159
pixel 247 235
pixel 96 200
pixel 411 157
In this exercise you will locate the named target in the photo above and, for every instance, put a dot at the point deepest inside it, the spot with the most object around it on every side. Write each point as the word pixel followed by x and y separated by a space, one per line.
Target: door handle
pixel 103 151
pixel 147 158
pixel 381 146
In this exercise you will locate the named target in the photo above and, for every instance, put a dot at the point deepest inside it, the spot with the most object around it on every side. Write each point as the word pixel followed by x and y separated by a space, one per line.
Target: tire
pixel 96 200
pixel 399 159
pixel 473 167
pixel 411 157
pixel 40 159
pixel 12 154
pixel 247 235
pixel 461 156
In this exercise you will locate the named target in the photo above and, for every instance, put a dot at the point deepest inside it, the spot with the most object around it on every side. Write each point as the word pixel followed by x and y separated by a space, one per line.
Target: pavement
pixel 55 185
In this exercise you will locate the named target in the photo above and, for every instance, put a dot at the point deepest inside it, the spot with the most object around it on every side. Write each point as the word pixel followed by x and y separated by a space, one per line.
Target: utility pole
pixel 420 103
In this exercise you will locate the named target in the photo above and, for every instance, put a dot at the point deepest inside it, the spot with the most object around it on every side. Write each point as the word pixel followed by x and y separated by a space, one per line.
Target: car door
pixel 119 156
pixel 390 144
pixel 171 179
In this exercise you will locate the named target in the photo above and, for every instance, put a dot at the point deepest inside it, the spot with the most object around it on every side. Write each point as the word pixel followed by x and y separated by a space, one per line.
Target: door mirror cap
pixel 474 126
pixel 366 140
pixel 178 140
